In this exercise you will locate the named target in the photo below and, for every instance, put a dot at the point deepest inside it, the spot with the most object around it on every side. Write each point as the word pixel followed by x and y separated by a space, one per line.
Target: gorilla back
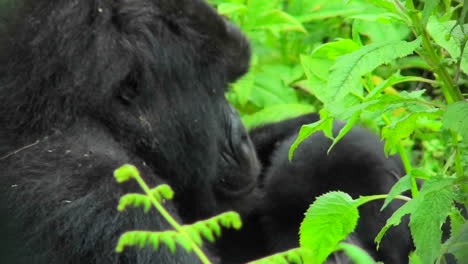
pixel 86 86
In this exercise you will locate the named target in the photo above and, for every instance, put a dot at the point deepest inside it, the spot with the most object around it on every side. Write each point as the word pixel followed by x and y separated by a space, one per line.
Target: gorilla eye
pixel 128 89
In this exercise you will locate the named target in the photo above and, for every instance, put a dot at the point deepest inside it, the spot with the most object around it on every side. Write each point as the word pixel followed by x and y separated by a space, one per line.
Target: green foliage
pixel 397 67
pixel 330 219
pixel 189 237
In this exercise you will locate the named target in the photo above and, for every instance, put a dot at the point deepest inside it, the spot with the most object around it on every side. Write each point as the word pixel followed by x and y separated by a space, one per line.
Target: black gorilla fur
pixel 87 86
pixel 356 165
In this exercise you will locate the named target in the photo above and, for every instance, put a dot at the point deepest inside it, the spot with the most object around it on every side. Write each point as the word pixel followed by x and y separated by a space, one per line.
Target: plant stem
pixel 204 259
pixel 371 198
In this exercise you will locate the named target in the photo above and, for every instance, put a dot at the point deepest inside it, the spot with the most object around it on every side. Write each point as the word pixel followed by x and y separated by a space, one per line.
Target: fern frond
pixel 134 200
pixel 296 256
pixel 162 192
pixel 211 228
pixel 125 173
pixel 154 239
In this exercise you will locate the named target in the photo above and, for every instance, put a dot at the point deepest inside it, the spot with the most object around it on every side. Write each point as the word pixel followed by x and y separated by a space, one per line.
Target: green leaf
pixel 162 192
pixel 168 239
pixel 243 88
pixel 455 118
pixel 348 126
pixel 322 58
pixel 357 254
pixel 453 44
pixel 426 221
pixel 404 127
pixel 348 69
pixel 458 244
pixel 296 256
pixel 402 185
pixel 125 173
pixel 328 221
pixel 428 212
pixel 135 200
pixel 278 20
pixel 388 5
pixel 231 8
pixel 276 113
pixel 324 124
pixel 429 6
pixel 205 231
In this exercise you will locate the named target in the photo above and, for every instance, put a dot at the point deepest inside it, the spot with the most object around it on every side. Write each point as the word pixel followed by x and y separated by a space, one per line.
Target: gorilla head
pixel 100 83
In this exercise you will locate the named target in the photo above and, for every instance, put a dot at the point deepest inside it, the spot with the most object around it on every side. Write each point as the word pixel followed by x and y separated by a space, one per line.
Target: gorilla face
pixel 155 98
pixel 153 73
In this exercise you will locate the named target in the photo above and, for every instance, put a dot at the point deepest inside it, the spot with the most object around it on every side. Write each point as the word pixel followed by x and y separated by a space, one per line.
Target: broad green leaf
pixel 243 88
pixel 429 6
pixel 456 119
pixel 388 5
pixel 335 8
pixel 425 225
pixel 278 20
pixel 330 219
pixel 324 124
pixel 402 185
pixel 323 57
pixel 381 28
pixel 392 80
pixel 348 69
pixel 231 8
pixel 276 113
pixel 450 38
pixel 458 244
pixel 404 127
pixel 357 254
pixel 426 221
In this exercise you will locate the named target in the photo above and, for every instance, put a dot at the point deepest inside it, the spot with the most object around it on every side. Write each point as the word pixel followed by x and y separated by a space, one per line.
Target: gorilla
pixel 356 165
pixel 86 86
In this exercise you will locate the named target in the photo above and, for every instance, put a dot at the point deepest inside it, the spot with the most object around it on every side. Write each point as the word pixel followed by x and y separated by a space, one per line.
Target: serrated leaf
pixel 402 185
pixel 404 127
pixel 357 254
pixel 348 69
pixel 325 125
pixel 426 222
pixel 455 118
pixel 453 44
pixel 348 126
pixel 421 221
pixel 458 244
pixel 328 220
